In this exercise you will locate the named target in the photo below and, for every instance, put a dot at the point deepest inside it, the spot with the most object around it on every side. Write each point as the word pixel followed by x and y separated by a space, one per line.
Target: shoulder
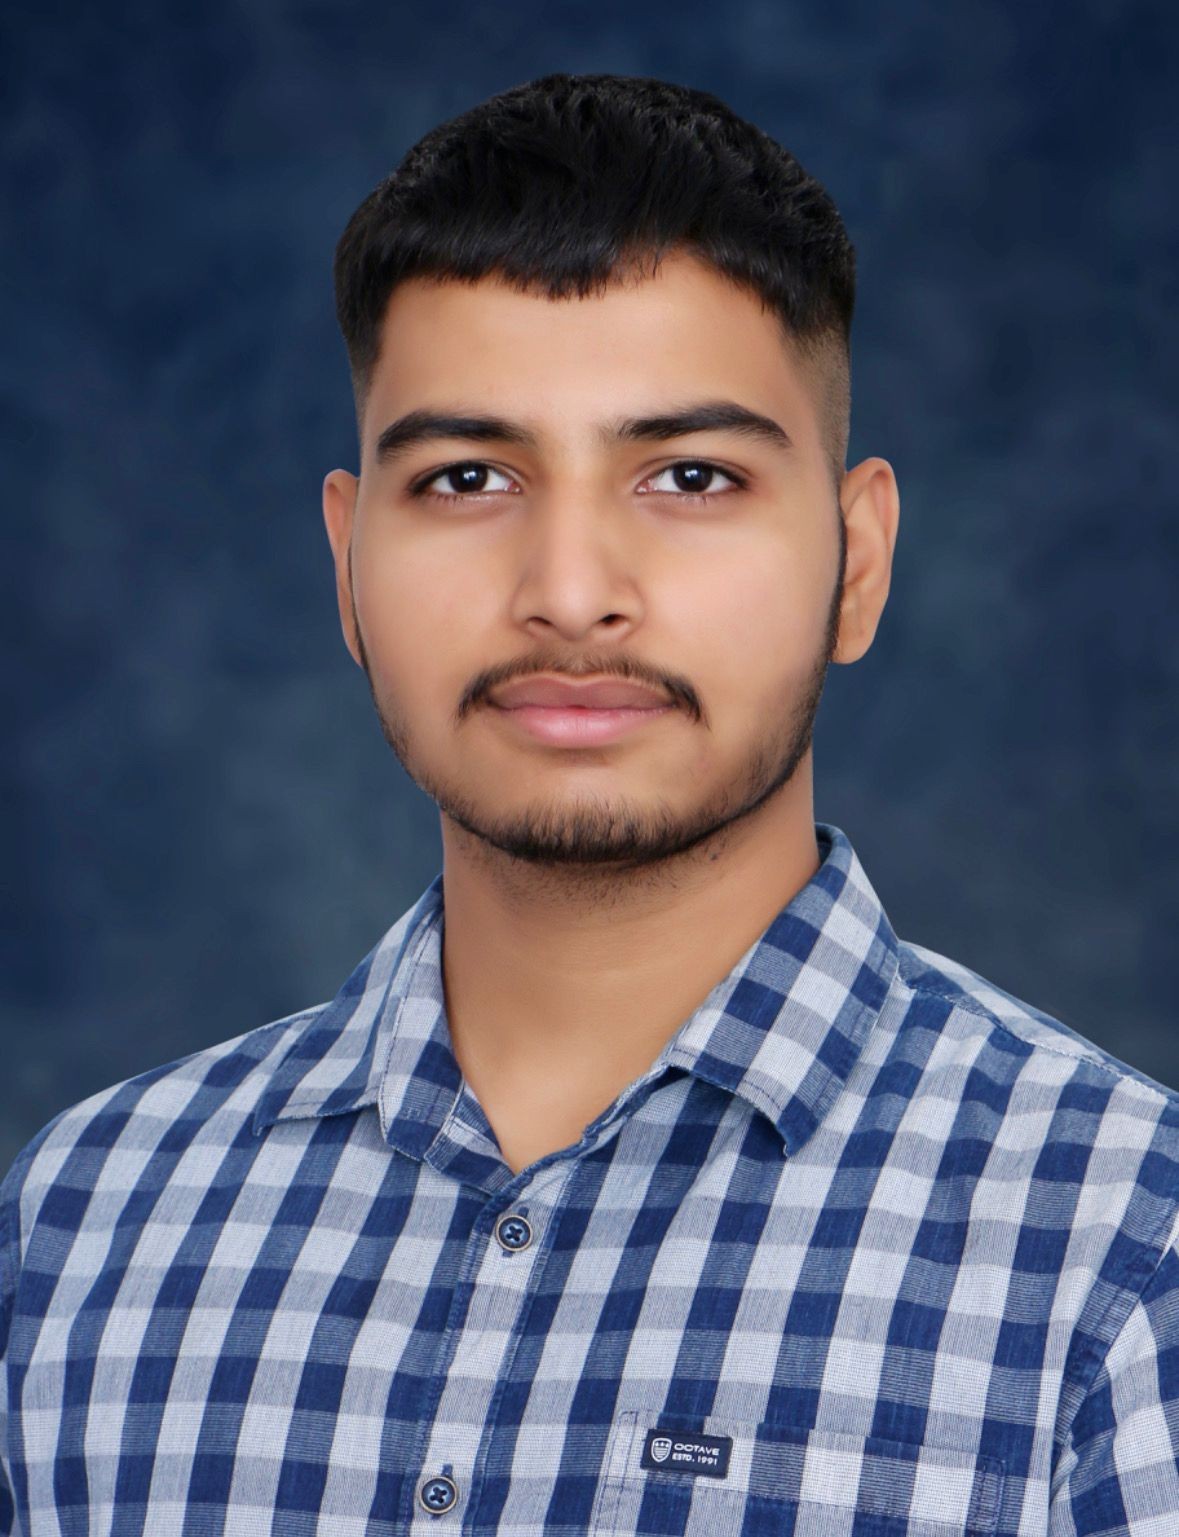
pixel 981 1013
pixel 1063 1137
pixel 213 1091
pixel 1068 1158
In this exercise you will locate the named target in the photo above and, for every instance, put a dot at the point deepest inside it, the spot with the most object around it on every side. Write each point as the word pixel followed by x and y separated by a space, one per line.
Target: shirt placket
pixel 504 1254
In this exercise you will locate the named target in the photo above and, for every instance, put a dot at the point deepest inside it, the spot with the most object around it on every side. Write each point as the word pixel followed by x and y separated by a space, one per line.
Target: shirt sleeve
pixel 1119 1475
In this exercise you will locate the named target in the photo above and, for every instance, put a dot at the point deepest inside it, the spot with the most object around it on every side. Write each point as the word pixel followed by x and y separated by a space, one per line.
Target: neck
pixel 577 980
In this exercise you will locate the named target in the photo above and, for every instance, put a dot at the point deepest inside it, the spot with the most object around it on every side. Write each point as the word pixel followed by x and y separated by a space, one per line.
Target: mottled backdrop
pixel 205 828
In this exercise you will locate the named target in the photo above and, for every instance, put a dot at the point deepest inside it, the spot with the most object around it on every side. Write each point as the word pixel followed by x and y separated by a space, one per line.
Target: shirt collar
pixel 782 1030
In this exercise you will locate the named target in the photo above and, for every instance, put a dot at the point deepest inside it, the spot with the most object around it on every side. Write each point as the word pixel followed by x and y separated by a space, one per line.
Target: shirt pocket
pixel 662 1477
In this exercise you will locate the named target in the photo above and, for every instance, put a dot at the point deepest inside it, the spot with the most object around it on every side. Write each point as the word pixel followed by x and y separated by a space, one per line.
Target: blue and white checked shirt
pixel 873 1249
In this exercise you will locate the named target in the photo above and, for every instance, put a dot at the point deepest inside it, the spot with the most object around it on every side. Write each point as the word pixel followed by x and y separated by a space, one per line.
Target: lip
pixel 566 693
pixel 579 726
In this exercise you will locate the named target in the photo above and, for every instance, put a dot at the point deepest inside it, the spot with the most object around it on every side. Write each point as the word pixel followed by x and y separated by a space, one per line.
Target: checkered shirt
pixel 873 1249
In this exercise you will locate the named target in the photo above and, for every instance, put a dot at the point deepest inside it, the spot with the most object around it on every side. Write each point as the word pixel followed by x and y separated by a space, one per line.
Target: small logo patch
pixel 678 1451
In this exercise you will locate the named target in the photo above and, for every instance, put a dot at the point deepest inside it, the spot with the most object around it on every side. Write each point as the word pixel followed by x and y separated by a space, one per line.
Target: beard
pixel 615 835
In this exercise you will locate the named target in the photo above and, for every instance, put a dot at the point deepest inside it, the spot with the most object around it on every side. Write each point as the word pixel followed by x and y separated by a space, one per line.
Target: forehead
pixel 644 341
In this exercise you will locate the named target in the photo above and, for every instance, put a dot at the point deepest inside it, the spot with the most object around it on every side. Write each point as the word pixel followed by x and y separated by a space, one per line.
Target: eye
pixel 693 479
pixel 470 477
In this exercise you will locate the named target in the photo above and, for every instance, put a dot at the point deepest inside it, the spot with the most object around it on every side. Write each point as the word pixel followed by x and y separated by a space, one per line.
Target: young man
pixel 640 1179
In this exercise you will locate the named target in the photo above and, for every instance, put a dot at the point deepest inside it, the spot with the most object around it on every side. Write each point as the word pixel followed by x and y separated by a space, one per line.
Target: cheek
pixel 421 617
pixel 757 625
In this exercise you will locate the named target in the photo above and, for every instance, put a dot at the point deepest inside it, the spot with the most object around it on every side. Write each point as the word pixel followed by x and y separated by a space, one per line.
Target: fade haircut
pixel 570 182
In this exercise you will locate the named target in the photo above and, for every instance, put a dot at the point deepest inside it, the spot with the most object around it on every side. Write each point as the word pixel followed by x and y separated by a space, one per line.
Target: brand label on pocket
pixel 678 1451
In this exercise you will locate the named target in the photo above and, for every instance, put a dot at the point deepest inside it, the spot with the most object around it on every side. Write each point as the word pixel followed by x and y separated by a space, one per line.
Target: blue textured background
pixel 204 827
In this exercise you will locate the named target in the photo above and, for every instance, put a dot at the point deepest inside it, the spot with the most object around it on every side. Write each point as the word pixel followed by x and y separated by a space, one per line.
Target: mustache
pixel 626 669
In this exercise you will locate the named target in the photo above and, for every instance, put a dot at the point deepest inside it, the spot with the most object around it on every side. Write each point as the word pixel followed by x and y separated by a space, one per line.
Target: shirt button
pixel 514 1232
pixel 438 1494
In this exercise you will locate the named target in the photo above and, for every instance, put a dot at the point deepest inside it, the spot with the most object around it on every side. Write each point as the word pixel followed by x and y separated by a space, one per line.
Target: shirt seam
pixel 979 1010
pixel 1133 1299
pixel 9 1253
pixel 11 1190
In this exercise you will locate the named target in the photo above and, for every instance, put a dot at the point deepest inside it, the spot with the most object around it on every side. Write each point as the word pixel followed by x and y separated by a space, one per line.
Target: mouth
pixel 577 725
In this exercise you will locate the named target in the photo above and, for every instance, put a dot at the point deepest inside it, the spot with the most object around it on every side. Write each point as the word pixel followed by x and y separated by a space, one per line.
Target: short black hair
pixel 568 182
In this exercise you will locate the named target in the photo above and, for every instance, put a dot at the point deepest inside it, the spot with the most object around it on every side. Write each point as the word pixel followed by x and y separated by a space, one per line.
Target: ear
pixel 339 505
pixel 871 507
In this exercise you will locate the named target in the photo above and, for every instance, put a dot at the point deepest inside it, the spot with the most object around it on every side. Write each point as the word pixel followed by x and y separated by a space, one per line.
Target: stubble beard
pixel 616 836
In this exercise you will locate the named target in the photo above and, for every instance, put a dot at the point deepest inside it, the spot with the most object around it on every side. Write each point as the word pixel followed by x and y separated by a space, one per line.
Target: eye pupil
pixel 458 476
pixel 690 473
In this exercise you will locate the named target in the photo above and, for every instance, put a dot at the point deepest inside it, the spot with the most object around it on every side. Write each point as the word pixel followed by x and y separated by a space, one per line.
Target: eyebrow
pixel 704 416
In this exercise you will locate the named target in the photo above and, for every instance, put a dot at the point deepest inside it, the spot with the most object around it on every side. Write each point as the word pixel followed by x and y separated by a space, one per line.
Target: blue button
pixel 438 1494
pixel 514 1232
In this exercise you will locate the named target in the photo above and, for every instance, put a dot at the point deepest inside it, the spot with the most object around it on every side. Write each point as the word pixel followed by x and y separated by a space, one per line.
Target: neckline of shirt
pixel 782 1030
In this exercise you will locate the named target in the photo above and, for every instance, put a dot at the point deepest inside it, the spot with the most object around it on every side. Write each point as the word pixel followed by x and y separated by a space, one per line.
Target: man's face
pixel 583 554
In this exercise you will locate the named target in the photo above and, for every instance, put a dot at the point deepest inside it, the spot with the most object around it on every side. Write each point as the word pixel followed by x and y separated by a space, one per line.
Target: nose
pixel 576 571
